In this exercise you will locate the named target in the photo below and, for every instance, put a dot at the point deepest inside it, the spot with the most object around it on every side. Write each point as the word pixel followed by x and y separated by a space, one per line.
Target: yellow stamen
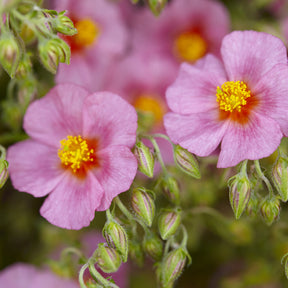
pixel 190 46
pixel 232 96
pixel 87 32
pixel 74 152
pixel 148 103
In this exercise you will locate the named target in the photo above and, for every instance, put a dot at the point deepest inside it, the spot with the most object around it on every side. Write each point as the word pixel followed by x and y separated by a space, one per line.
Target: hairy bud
pixel 63 24
pixel 168 223
pixel 280 177
pixel 270 210
pixel 171 189
pixel 153 246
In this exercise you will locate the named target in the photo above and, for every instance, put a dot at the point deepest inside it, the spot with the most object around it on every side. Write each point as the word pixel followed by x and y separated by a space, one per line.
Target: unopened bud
pixel 117 238
pixel 136 252
pixel 143 204
pixel 63 24
pixel 107 258
pixel 24 67
pixel 10 53
pixel 145 159
pixel 172 266
pixel 168 223
pixel 3 167
pixel 239 194
pixel 270 210
pixel 171 189
pixel 252 208
pixel 52 52
pixel 280 177
pixel 186 161
pixel 153 246
pixel 157 6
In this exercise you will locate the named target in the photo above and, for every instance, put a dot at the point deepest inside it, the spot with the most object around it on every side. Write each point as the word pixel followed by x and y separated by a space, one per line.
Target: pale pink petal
pixel 248 55
pixel 73 202
pixel 58 114
pixel 272 92
pixel 256 140
pixel 199 133
pixel 118 169
pixel 34 167
pixel 194 90
pixel 110 119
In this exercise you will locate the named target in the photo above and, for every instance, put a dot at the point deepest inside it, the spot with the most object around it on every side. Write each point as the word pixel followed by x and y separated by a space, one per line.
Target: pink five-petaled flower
pixel 240 102
pixel 78 152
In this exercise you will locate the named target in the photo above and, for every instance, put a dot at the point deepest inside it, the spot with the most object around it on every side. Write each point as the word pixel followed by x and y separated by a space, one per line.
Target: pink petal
pixel 118 169
pixel 58 114
pixel 110 119
pixel 195 88
pixel 256 140
pixel 272 91
pixel 199 133
pixel 34 168
pixel 246 64
pixel 73 202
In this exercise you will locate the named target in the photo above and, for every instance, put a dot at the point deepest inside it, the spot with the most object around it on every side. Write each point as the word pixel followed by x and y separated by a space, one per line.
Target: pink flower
pixel 186 30
pixel 240 102
pixel 78 152
pixel 22 275
pixel 101 38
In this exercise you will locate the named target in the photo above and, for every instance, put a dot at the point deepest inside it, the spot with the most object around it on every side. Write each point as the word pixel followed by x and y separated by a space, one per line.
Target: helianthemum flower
pixel 240 102
pixel 102 37
pixel 79 152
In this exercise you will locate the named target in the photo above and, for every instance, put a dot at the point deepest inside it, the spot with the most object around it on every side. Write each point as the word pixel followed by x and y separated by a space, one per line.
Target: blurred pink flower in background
pixel 101 38
pixel 79 152
pixel 240 102
pixel 21 275
pixel 186 30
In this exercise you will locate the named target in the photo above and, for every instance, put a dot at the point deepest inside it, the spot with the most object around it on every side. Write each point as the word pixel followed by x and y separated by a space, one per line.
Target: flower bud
pixel 171 189
pixel 136 252
pixel 172 266
pixel 252 208
pixel 116 238
pixel 10 53
pixel 145 159
pixel 280 177
pixel 153 246
pixel 24 67
pixel 3 167
pixel 63 24
pixel 157 6
pixel 52 52
pixel 107 258
pixel 143 204
pixel 168 223
pixel 186 161
pixel 270 210
pixel 239 194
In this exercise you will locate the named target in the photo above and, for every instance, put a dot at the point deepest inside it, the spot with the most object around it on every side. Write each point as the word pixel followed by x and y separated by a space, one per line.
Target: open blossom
pixel 186 30
pixel 22 275
pixel 240 101
pixel 101 38
pixel 79 153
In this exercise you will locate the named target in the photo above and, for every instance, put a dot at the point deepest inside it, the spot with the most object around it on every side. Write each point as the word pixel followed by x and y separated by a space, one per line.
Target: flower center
pixel 76 154
pixel 190 46
pixel 232 96
pixel 88 32
pixel 150 104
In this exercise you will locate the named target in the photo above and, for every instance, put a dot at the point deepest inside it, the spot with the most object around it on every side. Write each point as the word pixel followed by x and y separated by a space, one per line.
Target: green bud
pixel 24 67
pixel 107 258
pixel 145 159
pixel 116 238
pixel 186 161
pixel 239 194
pixel 172 266
pixel 171 189
pixel 168 223
pixel 143 204
pixel 153 246
pixel 252 208
pixel 157 6
pixel 136 252
pixel 270 210
pixel 10 53
pixel 3 167
pixel 280 178
pixel 63 24
pixel 52 52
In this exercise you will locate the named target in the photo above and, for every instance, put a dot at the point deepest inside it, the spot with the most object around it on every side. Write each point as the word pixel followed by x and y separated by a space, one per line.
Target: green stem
pixel 159 135
pixel 81 276
pixel 264 179
pixel 99 277
pixel 72 250
pixel 109 215
pixel 185 236
pixel 243 169
pixel 123 209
